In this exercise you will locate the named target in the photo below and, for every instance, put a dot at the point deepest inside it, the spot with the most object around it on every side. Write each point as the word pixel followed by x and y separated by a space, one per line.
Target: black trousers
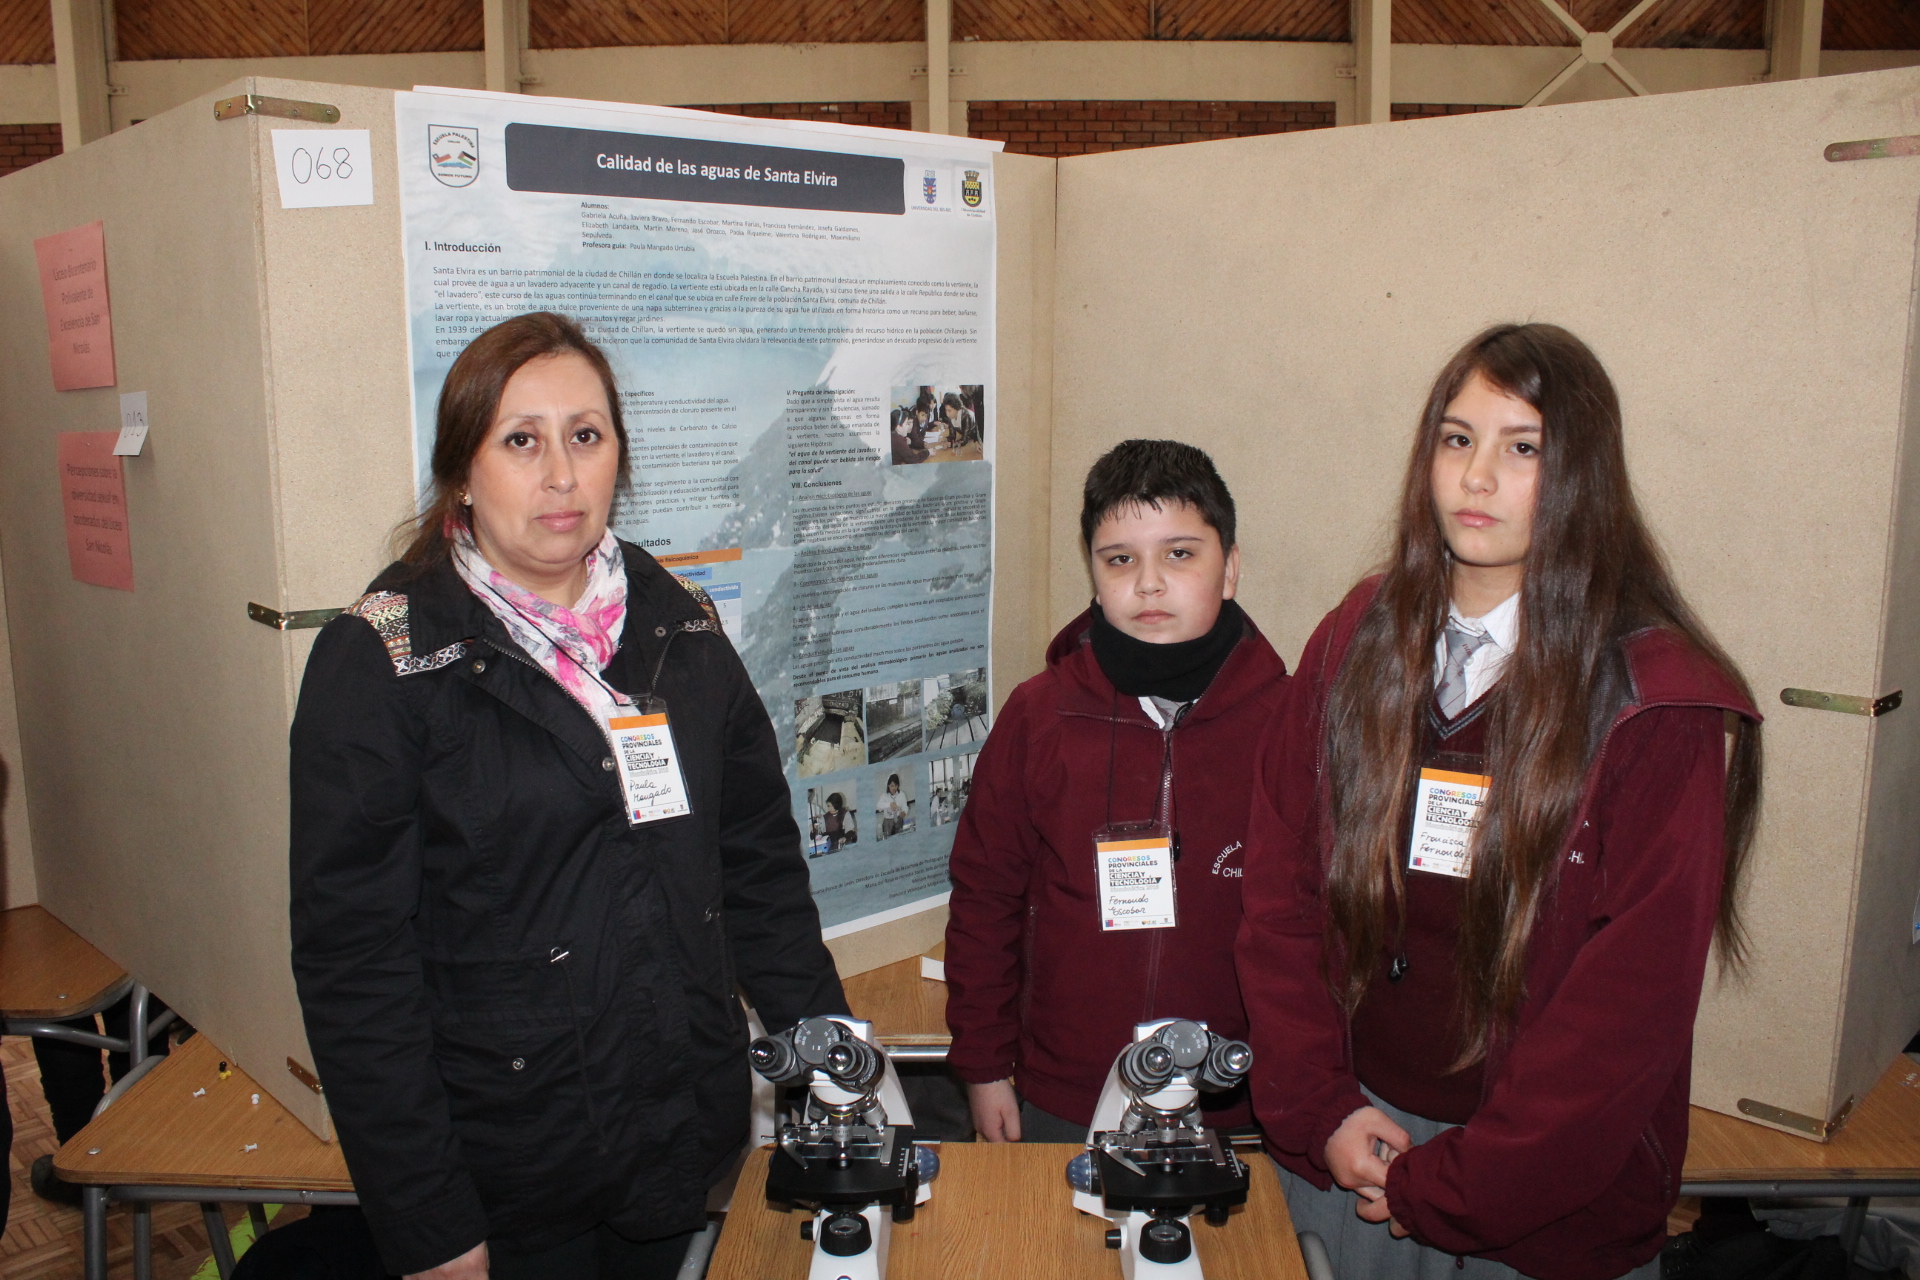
pixel 70 1073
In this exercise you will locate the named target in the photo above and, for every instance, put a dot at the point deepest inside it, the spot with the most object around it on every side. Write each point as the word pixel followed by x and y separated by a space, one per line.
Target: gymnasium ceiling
pixel 152 29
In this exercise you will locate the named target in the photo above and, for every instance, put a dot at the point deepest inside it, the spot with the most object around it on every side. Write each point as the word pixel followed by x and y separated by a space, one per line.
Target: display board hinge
pixel 1820 1130
pixel 1875 148
pixel 1346 73
pixel 1851 704
pixel 252 104
pixel 309 1079
pixel 293 619
pixel 919 73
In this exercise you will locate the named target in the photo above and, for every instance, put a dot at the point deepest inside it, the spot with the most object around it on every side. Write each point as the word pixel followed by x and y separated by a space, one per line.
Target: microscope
pixel 1150 1162
pixel 848 1152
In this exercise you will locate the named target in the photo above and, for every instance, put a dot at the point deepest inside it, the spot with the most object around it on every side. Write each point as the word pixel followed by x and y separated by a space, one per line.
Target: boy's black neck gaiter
pixel 1179 672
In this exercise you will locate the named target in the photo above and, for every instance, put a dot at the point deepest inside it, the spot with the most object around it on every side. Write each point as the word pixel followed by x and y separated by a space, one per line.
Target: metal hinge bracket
pixel 1849 703
pixel 252 104
pixel 1874 148
pixel 293 619
pixel 304 1076
pixel 1820 1130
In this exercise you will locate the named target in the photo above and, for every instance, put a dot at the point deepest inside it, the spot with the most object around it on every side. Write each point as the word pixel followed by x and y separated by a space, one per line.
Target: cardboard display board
pixel 1285 302
pixel 1281 301
pixel 272 342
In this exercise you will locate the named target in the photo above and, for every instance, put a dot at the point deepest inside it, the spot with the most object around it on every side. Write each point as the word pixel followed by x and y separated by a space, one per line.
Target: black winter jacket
pixel 522 1010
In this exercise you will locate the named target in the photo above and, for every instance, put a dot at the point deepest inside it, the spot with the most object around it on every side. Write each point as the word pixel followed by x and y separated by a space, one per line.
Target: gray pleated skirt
pixel 1363 1250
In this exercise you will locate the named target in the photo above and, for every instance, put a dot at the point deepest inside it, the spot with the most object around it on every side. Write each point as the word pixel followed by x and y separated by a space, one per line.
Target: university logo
pixel 930 186
pixel 970 189
pixel 453 153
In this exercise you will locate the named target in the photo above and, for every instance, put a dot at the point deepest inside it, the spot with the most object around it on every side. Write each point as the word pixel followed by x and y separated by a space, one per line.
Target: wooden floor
pixel 43 1239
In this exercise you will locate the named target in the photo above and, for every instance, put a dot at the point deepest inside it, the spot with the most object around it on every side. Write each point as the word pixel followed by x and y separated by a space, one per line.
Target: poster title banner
pixel 596 162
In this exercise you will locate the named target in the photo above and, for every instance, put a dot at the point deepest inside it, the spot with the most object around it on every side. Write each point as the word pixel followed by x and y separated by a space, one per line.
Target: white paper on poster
pixel 320 168
pixel 804 346
pixel 133 425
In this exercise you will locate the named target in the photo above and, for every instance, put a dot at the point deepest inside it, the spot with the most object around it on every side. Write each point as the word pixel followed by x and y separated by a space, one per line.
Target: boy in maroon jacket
pixel 1139 732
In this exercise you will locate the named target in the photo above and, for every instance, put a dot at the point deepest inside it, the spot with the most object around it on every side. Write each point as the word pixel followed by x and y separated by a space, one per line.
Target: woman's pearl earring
pixel 466 499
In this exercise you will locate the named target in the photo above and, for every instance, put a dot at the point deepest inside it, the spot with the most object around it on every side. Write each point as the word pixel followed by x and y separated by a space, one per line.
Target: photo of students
pixel 956 709
pixel 893 720
pixel 828 733
pixel 831 821
pixel 1502 821
pixel 950 781
pixel 935 424
pixel 905 431
pixel 1141 723
pixel 893 813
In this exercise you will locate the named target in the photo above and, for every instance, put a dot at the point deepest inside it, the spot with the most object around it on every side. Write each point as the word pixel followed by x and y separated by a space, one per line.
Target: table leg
pixel 93 1212
pixel 137 1026
pixel 1852 1224
pixel 217 1238
pixel 142 1240
pixel 257 1212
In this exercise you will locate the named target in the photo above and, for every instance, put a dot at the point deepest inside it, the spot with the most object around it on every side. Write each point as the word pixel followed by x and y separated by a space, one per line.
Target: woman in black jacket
pixel 523 1002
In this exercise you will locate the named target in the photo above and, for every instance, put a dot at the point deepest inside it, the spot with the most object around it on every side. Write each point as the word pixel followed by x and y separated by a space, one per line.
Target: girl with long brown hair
pixel 1502 822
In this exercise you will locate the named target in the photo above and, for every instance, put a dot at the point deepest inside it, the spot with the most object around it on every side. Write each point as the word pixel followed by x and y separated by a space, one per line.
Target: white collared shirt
pixel 1489 660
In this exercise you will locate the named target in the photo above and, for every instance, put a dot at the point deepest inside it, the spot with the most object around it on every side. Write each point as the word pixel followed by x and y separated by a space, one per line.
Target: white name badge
pixel 1136 883
pixel 649 767
pixel 1446 811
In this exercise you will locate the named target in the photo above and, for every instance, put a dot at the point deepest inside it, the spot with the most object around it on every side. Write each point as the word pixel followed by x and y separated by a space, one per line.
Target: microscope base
pixel 870 1264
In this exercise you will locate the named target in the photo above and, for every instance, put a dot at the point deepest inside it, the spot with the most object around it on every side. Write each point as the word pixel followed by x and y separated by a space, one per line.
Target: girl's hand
pixel 471 1265
pixel 1356 1163
pixel 996 1111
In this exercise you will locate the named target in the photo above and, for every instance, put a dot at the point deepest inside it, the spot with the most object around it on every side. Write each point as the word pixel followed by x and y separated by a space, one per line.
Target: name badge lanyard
pixel 652 786
pixel 1133 861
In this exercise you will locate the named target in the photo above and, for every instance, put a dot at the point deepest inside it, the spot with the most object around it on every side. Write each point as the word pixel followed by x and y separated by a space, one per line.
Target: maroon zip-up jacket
pixel 1571 1163
pixel 1035 989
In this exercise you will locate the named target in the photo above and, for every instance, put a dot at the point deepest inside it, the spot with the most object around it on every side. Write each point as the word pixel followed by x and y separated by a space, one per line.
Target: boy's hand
pixel 996 1111
pixel 1355 1161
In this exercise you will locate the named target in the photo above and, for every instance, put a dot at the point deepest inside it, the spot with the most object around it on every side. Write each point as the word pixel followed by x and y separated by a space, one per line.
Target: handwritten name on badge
pixel 1136 883
pixel 1446 812
pixel 649 768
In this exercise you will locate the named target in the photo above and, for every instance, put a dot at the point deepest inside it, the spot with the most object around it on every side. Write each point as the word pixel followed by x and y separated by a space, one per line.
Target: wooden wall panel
pixel 1476 22
pixel 149 29
pixel 825 21
pixel 1871 24
pixel 603 24
pixel 1683 24
pixel 1251 19
pixel 26 31
pixel 394 26
pixel 1041 20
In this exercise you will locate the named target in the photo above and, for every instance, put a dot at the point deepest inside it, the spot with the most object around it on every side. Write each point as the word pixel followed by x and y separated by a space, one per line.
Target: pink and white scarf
pixel 572 645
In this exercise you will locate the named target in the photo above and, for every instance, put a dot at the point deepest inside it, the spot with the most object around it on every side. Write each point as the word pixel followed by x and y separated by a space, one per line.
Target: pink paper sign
pixel 93 496
pixel 73 287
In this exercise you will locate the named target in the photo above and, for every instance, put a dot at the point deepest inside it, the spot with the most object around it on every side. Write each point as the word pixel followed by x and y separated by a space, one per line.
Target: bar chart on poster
pixel 801 321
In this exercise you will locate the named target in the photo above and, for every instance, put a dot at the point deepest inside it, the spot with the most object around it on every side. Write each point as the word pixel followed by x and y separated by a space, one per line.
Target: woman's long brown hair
pixel 1593 576
pixel 469 399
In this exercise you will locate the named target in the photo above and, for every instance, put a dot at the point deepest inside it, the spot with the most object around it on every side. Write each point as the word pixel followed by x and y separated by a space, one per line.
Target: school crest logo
pixel 453 154
pixel 970 189
pixel 930 186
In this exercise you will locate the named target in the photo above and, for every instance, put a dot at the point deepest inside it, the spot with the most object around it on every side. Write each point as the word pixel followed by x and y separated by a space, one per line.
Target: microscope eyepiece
pixel 1146 1066
pixel 774 1058
pixel 1227 1065
pixel 853 1063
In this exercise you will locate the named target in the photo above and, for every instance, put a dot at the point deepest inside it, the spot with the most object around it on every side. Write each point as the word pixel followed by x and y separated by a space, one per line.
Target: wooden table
pixel 181 1132
pixel 908 1012
pixel 1004 1209
pixel 1876 1153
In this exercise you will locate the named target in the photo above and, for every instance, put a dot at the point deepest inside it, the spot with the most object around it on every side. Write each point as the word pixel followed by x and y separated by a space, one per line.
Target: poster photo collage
pixel 877 755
